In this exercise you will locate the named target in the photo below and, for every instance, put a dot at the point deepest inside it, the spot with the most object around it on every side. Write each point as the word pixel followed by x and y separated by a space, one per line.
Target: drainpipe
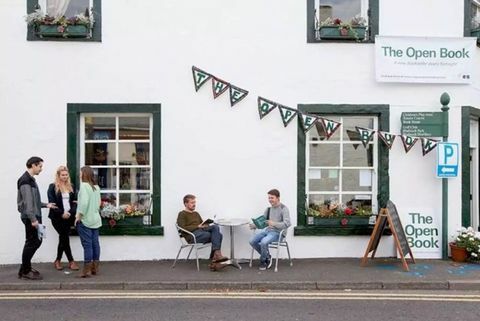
pixel 445 100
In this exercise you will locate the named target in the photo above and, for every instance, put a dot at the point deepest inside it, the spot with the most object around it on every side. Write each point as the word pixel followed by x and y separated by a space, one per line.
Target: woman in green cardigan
pixel 88 221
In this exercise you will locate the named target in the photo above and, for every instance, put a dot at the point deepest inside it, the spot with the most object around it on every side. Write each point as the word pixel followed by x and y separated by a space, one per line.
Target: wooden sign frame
pixel 385 218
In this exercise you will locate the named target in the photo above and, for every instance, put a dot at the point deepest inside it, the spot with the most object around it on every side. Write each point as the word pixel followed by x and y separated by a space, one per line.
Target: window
pixel 341 170
pixel 81 22
pixel 122 145
pixel 475 18
pixel 342 20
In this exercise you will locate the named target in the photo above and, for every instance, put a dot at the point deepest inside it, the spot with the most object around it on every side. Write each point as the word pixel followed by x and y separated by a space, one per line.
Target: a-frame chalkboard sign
pixel 389 217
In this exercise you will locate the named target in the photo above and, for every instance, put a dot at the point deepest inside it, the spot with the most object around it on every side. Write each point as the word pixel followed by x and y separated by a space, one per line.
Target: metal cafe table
pixel 232 223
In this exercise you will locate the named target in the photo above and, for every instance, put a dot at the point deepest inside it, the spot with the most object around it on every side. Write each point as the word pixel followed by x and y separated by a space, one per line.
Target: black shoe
pixel 31 276
pixel 34 271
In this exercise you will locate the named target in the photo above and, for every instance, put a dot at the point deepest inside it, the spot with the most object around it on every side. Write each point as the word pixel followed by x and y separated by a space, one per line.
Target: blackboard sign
pixel 398 227
pixel 380 225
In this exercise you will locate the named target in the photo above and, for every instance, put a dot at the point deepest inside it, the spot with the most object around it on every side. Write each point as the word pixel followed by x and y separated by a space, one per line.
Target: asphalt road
pixel 262 306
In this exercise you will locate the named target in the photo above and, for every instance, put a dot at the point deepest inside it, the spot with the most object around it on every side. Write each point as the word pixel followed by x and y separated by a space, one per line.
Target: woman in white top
pixel 62 193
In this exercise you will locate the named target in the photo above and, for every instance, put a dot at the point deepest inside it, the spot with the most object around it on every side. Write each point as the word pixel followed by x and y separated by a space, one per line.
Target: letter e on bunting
pixel 218 86
pixel 287 114
pixel 307 122
pixel 265 106
pixel 365 135
pixel 329 126
pixel 387 138
pixel 408 142
pixel 428 145
pixel 236 94
pixel 200 77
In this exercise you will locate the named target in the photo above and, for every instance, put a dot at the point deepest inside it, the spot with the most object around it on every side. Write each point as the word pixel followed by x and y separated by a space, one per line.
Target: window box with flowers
pixel 336 29
pixel 332 214
pixel 129 214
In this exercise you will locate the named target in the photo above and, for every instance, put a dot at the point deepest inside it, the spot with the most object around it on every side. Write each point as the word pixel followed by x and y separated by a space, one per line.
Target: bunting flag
pixel 408 142
pixel 353 136
pixel 218 86
pixel 329 126
pixel 365 135
pixel 200 77
pixel 265 106
pixel 287 114
pixel 387 138
pixel 236 94
pixel 307 122
pixel 428 145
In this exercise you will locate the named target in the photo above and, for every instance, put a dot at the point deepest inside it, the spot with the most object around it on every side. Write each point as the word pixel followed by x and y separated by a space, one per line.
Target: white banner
pixel 424 60
pixel 423 228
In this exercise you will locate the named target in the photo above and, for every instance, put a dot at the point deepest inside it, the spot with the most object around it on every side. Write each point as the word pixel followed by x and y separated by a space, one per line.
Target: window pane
pixel 99 128
pixel 134 153
pixel 324 154
pixel 134 178
pixel 320 199
pixel 323 180
pixel 357 155
pixel 100 154
pixel 357 179
pixel 134 127
pixel 106 177
pixel 76 7
pixel 140 201
pixel 357 201
pixel 318 133
pixel 345 10
pixel 349 123
pixel 109 198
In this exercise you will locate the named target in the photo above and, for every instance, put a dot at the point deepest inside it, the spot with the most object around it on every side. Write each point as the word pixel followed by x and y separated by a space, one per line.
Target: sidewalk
pixel 305 274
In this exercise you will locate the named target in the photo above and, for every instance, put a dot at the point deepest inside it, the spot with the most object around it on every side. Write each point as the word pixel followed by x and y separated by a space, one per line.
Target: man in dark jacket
pixel 30 207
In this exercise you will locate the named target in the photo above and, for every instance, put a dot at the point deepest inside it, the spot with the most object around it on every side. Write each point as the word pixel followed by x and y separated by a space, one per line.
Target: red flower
pixel 337 21
pixel 344 222
pixel 348 211
pixel 112 222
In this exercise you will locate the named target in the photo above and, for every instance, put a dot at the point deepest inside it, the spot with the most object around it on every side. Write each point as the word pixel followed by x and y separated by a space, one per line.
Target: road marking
pixel 241 295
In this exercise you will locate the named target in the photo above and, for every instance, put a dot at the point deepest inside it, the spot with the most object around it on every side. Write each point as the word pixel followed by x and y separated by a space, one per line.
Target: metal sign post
pixel 445 100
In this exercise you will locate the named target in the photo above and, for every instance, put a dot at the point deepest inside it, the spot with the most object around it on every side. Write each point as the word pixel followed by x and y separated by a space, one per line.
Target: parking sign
pixel 447 160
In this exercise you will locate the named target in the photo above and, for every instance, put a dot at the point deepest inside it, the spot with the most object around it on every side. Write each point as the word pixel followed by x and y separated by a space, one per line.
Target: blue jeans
pixel 209 234
pixel 260 243
pixel 90 244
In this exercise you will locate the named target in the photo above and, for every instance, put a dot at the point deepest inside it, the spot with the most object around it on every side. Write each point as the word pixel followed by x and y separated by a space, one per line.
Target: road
pixel 262 306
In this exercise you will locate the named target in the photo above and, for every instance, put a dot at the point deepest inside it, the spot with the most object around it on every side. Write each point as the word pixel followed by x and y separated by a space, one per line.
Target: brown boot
pixel 87 270
pixel 58 265
pixel 73 266
pixel 218 257
pixel 95 267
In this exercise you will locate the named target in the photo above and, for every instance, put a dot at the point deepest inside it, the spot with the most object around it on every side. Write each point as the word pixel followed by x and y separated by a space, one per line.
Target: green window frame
pixel 372 30
pixel 96 31
pixel 472 29
pixel 382 112
pixel 74 115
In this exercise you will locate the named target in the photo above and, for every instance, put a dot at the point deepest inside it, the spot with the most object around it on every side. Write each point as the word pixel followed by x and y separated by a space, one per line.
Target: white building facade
pixel 121 98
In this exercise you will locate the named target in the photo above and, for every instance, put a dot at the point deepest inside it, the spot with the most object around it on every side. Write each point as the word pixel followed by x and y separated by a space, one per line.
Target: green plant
pixel 334 209
pixel 468 239
pixel 38 17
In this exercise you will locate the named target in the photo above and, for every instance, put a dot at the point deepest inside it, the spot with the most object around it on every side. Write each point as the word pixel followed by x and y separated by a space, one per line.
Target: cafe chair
pixel 282 242
pixel 193 246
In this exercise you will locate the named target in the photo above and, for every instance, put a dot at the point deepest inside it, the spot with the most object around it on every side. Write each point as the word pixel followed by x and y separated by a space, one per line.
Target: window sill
pixel 131 230
pixel 319 230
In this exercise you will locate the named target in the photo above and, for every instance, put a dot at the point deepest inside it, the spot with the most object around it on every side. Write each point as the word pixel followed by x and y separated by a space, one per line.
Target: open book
pixel 260 222
pixel 207 221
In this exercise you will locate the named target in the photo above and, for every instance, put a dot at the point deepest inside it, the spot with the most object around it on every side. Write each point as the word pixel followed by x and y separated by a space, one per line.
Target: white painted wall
pixel 226 156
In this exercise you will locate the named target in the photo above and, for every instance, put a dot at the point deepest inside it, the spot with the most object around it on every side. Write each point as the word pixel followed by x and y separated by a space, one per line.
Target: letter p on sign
pixel 447 160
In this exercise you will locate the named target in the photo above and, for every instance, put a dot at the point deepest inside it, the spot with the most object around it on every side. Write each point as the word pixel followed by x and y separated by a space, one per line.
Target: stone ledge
pixel 433 285
pixel 349 285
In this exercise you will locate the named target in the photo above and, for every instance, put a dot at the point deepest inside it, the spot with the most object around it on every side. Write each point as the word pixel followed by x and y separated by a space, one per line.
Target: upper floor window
pixel 64 20
pixel 475 18
pixel 342 20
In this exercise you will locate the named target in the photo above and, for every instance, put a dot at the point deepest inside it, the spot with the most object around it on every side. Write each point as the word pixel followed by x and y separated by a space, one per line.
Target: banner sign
pixel 425 59
pixel 423 228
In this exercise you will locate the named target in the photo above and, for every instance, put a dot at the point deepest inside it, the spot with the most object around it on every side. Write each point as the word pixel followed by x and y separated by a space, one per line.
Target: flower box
pixel 340 221
pixel 70 31
pixel 339 33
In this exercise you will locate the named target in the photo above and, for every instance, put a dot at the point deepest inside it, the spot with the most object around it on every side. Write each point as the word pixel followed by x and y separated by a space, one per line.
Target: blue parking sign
pixel 447 160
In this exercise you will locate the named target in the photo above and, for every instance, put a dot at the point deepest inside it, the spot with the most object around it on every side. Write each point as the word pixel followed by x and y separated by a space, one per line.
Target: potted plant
pixel 466 245
pixel 475 31
pixel 335 214
pixel 78 26
pixel 336 29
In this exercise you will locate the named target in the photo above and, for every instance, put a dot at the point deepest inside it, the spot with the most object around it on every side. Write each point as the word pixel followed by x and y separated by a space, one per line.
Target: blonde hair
pixel 60 186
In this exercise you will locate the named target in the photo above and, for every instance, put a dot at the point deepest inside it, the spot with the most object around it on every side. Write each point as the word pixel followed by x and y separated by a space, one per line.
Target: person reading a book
pixel 275 219
pixel 204 231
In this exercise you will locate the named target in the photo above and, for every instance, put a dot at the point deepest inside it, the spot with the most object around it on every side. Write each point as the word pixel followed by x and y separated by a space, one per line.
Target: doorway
pixel 474 175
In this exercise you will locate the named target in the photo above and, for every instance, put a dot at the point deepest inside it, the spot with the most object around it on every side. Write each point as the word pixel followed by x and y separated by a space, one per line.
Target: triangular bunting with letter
pixel 353 136
pixel 236 94
pixel 287 114
pixel 365 135
pixel 428 145
pixel 218 86
pixel 200 77
pixel 387 138
pixel 307 122
pixel 265 106
pixel 408 142
pixel 330 126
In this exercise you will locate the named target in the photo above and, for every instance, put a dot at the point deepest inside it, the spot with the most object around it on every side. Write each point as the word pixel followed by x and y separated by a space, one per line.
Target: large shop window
pixel 340 176
pixel 474 24
pixel 64 20
pixel 122 148
pixel 342 20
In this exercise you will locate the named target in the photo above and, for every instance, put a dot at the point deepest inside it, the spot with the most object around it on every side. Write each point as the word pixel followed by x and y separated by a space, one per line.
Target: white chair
pixel 192 246
pixel 281 242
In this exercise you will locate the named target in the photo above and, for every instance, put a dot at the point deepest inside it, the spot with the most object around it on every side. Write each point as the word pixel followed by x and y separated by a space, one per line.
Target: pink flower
pixel 60 28
pixel 112 222
pixel 344 222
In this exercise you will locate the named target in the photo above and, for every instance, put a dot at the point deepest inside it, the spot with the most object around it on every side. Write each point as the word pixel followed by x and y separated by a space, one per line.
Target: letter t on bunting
pixel 265 106
pixel 200 77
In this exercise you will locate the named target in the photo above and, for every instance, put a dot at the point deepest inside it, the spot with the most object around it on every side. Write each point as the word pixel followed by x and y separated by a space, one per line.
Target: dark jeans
pixel 62 226
pixel 90 243
pixel 210 234
pixel 32 243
